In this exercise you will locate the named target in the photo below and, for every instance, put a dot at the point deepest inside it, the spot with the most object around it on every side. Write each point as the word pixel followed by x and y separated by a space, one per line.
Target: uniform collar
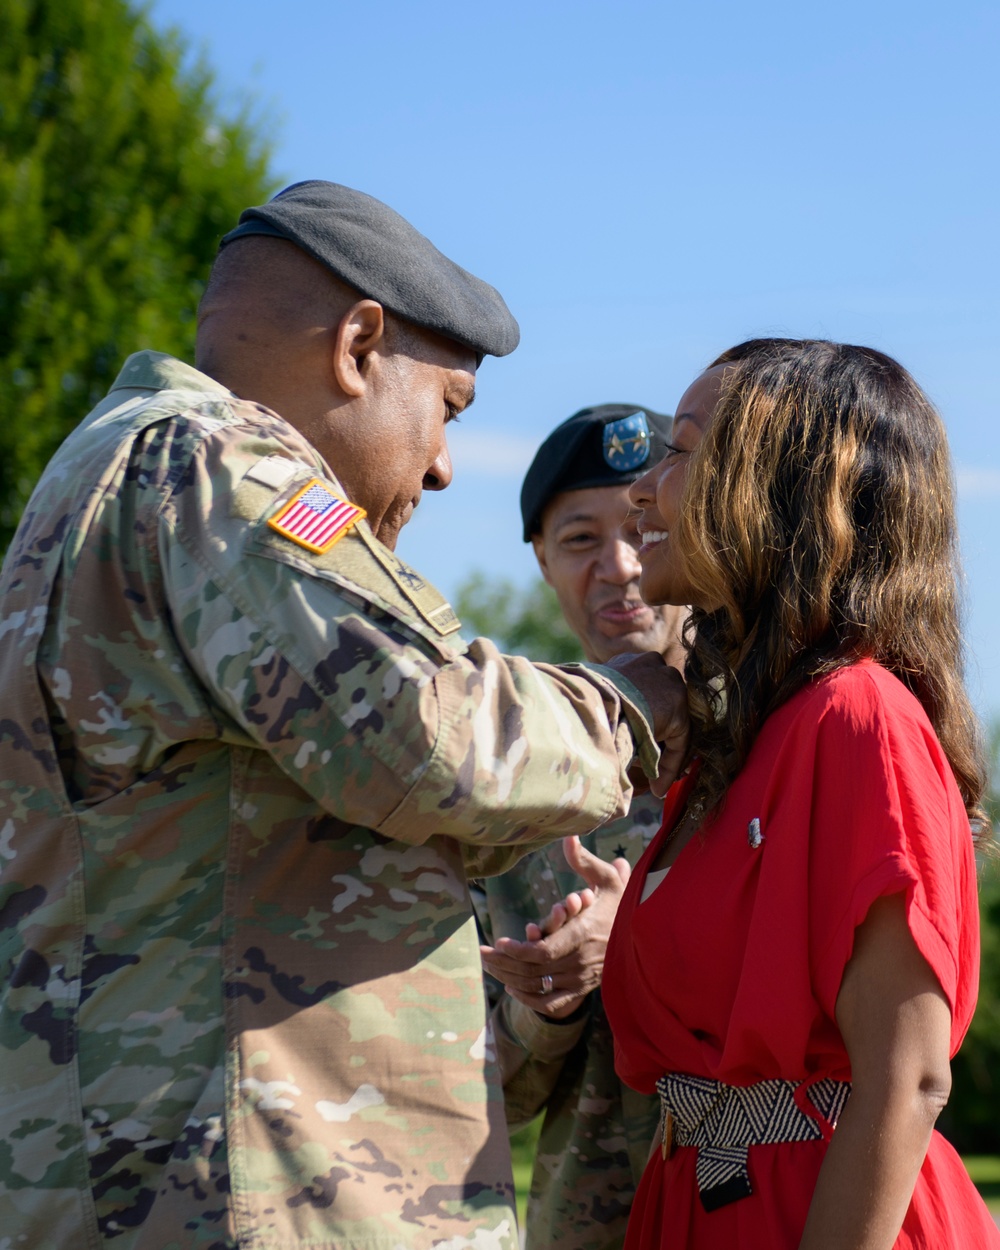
pixel 156 371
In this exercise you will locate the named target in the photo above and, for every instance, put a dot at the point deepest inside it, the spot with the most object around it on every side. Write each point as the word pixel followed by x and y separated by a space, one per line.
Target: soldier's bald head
pixel 263 289
pixel 263 293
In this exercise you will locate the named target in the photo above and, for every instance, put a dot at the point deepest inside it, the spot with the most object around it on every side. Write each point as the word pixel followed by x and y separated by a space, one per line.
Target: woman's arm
pixel 896 1025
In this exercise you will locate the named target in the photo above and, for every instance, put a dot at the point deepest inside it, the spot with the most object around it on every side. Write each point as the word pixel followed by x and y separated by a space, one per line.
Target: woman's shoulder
pixel 860 708
pixel 859 695
pixel 863 740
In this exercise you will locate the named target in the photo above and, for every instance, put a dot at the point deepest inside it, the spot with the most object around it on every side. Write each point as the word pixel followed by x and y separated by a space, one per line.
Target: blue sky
pixel 648 184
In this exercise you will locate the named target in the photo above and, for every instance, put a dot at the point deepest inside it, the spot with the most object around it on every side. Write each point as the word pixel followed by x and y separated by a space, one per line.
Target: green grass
pixel 985 1173
pixel 522 1149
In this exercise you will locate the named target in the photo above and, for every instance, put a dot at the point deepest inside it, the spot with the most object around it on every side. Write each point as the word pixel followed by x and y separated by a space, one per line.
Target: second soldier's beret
pixel 608 445
pixel 382 256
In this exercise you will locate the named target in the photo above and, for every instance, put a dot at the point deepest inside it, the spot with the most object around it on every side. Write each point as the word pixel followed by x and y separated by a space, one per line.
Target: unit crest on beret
pixel 626 442
pixel 604 445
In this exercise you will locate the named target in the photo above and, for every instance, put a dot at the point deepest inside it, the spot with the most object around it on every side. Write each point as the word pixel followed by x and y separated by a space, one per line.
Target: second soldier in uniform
pixel 553 1041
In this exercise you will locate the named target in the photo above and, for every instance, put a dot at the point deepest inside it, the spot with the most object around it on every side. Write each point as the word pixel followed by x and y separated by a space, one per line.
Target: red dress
pixel 732 966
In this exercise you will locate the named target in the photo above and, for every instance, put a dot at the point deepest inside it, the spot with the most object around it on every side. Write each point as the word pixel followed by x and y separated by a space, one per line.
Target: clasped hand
pixel 562 957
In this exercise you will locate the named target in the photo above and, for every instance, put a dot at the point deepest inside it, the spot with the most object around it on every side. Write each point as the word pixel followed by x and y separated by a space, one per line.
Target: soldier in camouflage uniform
pixel 246 764
pixel 554 1046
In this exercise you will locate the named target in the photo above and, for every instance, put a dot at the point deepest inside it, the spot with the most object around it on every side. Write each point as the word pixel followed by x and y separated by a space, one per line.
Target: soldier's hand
pixel 574 903
pixel 665 692
pixel 557 968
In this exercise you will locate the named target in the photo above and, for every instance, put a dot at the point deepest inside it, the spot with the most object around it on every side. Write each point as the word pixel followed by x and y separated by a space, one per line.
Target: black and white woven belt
pixel 723 1120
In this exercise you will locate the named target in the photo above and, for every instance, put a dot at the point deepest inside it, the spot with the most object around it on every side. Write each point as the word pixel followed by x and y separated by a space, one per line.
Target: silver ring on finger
pixel 546 984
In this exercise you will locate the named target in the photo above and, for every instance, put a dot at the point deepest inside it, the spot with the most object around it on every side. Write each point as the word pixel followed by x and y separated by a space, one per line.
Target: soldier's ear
pixel 538 542
pixel 357 340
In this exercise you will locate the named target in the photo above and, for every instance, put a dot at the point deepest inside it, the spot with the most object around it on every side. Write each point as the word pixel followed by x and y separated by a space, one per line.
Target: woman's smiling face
pixel 657 496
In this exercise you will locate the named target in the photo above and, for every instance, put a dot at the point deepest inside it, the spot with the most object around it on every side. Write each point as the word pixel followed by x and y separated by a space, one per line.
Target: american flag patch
pixel 315 517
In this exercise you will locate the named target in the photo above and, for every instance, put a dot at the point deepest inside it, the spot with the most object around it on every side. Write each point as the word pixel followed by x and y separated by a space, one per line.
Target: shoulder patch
pixel 315 517
pixel 361 564
pixel 427 599
pixel 275 471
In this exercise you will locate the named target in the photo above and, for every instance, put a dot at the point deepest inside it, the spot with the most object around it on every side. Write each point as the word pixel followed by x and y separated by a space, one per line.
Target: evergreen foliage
pixel 521 622
pixel 972 1118
pixel 118 175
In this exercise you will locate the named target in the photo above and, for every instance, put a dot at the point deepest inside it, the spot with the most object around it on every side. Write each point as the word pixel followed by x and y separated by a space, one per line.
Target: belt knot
pixel 724 1120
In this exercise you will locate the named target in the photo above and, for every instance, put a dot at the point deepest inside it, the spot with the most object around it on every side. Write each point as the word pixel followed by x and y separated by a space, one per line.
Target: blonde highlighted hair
pixel 818 514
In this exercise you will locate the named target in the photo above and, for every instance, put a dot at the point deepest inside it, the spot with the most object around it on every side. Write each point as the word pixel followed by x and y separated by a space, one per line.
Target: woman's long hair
pixel 818 514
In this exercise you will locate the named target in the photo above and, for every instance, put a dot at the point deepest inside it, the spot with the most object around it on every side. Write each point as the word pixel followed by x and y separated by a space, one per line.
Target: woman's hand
pixel 568 945
pixel 896 1025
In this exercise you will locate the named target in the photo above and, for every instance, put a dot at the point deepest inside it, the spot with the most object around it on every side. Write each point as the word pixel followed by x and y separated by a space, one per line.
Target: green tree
pixel 118 175
pixel 972 1118
pixel 520 621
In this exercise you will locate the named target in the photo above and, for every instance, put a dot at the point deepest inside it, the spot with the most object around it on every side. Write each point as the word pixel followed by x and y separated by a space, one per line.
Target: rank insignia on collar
pixel 315 517
pixel 626 442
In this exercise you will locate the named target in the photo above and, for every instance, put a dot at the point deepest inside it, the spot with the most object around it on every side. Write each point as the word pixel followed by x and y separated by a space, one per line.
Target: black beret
pixel 379 253
pixel 608 445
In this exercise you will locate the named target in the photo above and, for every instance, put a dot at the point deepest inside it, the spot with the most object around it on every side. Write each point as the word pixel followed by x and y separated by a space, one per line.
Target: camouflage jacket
pixel 241 784
pixel 596 1132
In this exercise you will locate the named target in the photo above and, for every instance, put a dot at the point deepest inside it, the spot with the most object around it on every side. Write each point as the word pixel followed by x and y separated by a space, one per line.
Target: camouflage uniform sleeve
pixel 375 716
pixel 530 1049
pixel 530 1052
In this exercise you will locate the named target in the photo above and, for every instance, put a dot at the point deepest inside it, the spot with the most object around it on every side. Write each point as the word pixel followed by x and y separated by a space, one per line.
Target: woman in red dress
pixel 795 958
